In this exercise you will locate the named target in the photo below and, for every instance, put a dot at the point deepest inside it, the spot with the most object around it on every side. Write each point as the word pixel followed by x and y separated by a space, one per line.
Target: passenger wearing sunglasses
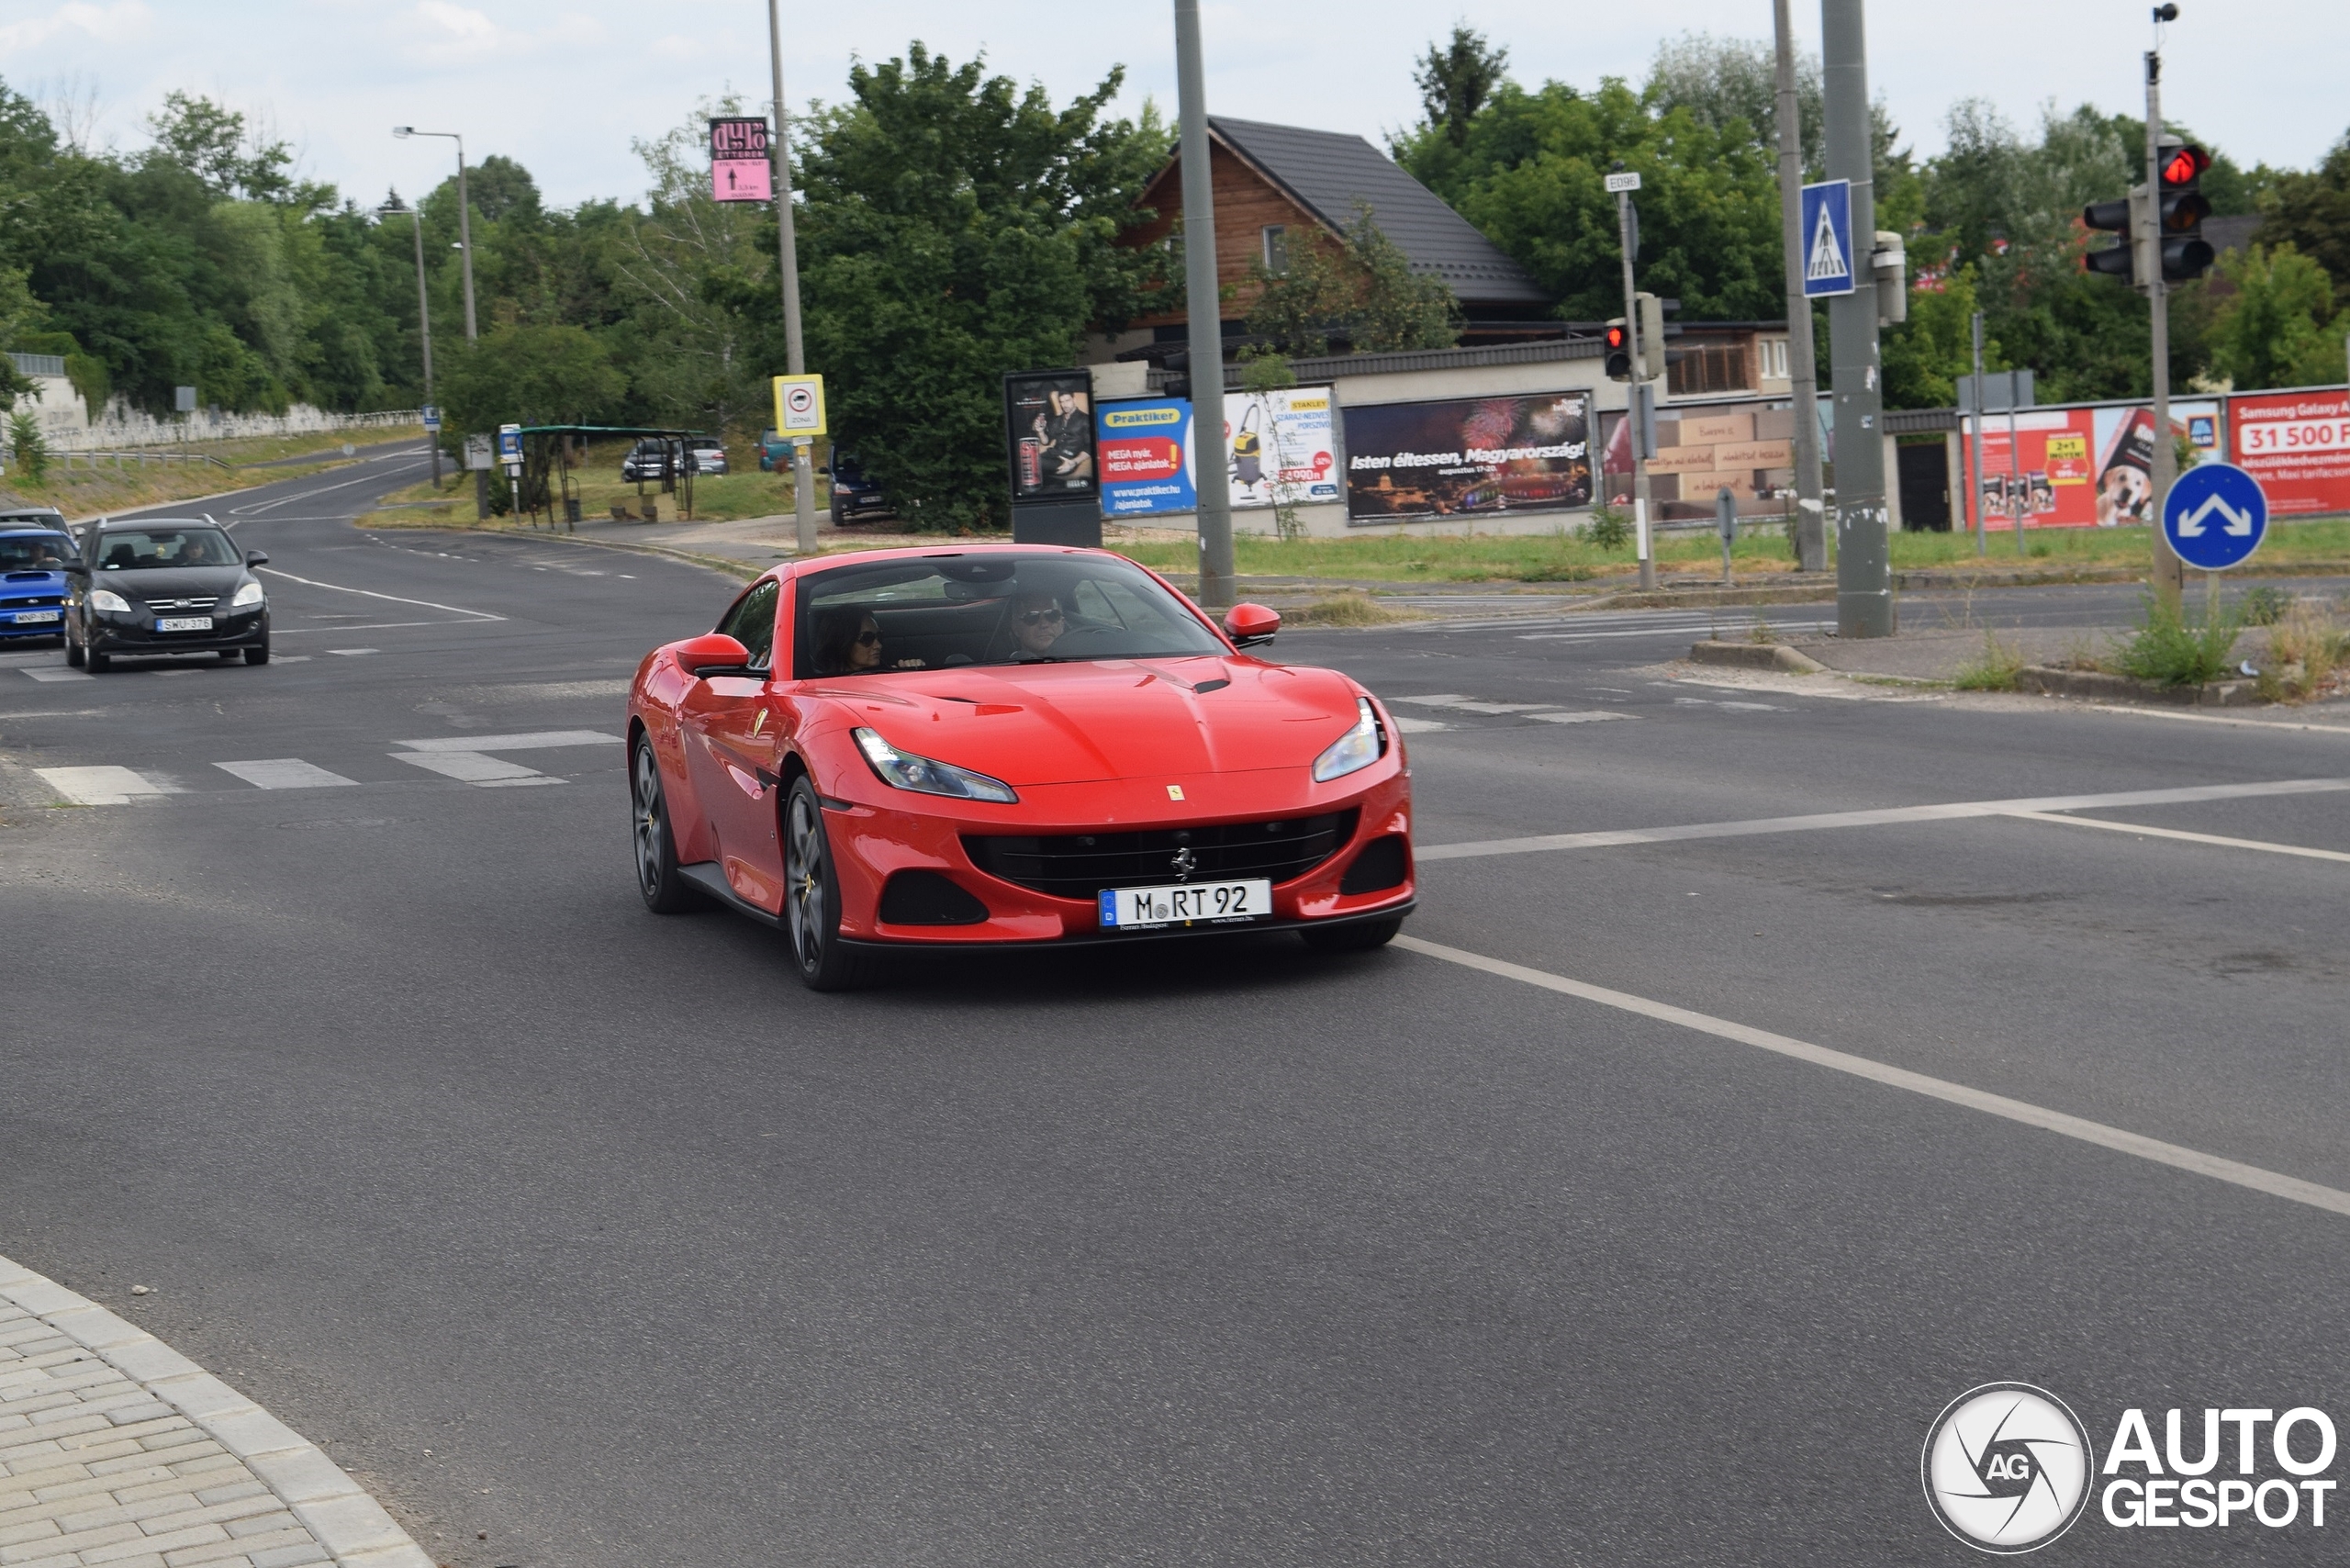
pixel 1036 624
pixel 848 642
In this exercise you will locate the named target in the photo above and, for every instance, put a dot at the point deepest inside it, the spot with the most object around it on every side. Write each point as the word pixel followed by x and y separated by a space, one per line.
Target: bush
pixel 27 441
pixel 2305 647
pixel 2167 651
pixel 1610 527
pixel 2264 606
pixel 1350 608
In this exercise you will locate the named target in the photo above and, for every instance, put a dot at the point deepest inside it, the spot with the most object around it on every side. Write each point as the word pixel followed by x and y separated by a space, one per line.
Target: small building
pixel 1279 187
pixel 65 418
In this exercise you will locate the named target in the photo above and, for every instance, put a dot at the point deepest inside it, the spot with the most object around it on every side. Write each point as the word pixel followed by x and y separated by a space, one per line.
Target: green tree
pixel 1924 356
pixel 957 226
pixel 2311 212
pixel 1455 80
pixel 529 375
pixel 1359 288
pixel 2277 325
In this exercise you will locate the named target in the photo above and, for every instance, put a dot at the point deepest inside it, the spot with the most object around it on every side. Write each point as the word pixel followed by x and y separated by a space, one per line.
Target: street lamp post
pixel 465 219
pixel 803 472
pixel 393 209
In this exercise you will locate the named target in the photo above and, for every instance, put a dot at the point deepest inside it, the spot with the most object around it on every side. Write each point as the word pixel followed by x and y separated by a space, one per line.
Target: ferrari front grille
pixel 1079 864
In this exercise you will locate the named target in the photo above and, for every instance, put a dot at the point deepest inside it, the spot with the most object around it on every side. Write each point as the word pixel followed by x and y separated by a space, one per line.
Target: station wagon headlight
pixel 107 599
pixel 249 594
pixel 904 770
pixel 1355 750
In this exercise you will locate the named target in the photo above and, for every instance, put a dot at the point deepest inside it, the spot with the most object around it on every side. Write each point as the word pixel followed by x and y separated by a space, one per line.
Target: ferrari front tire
pixel 812 895
pixel 1359 937
pixel 665 892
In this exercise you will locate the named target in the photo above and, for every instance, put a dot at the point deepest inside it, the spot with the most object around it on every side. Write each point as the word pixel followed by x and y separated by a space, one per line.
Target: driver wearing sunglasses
pixel 1037 623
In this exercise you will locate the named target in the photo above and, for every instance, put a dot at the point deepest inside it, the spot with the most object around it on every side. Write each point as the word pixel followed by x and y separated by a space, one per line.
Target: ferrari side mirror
pixel 1247 624
pixel 713 653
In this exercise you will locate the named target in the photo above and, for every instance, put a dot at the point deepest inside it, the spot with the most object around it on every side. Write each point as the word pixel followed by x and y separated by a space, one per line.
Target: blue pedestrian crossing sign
pixel 1827 229
pixel 2215 516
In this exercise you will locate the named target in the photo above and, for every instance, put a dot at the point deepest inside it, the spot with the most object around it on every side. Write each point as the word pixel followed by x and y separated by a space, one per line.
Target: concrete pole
pixel 424 326
pixel 1203 313
pixel 803 467
pixel 1974 496
pixel 2169 576
pixel 465 239
pixel 1864 566
pixel 1643 546
pixel 1802 369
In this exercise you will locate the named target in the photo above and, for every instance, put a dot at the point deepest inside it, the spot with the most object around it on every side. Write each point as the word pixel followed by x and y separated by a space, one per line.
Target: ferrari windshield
pixel 121 550
pixel 939 611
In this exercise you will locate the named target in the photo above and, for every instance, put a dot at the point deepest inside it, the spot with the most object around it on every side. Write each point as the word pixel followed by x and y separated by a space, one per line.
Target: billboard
pixel 738 160
pixel 1048 420
pixel 2297 445
pixel 1278 447
pixel 1143 447
pixel 2074 467
pixel 1469 456
pixel 1746 448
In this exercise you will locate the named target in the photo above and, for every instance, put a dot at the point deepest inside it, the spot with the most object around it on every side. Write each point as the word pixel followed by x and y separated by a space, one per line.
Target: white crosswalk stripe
pixel 106 785
pixel 283 773
pixel 52 672
pixel 467 759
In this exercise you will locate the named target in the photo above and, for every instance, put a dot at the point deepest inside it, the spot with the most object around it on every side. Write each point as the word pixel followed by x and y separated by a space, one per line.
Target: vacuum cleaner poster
pixel 1468 457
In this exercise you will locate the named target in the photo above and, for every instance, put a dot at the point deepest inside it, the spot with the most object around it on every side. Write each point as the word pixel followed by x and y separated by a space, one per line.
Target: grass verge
pixel 82 492
pixel 718 497
pixel 1996 671
pixel 1348 609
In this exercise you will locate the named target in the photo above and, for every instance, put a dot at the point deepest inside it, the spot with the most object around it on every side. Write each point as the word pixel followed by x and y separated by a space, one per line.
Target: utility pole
pixel 1864 566
pixel 1634 422
pixel 1803 370
pixel 795 353
pixel 424 327
pixel 2169 574
pixel 1203 314
pixel 1975 499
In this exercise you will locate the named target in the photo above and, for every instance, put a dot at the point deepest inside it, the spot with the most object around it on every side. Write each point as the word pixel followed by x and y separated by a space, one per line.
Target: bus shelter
pixel 555 457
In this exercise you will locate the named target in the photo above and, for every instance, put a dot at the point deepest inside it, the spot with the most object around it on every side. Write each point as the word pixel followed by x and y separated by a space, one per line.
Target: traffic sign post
pixel 1827 239
pixel 2215 516
pixel 433 419
pixel 800 406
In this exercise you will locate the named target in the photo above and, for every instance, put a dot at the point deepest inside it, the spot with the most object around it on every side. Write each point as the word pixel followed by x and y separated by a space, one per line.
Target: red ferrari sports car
pixel 1009 745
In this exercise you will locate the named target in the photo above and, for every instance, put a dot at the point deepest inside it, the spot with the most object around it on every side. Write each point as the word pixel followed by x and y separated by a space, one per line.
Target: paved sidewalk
pixel 116 1450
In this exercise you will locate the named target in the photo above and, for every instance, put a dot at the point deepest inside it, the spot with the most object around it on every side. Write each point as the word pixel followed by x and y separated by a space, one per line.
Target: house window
pixel 1774 352
pixel 1711 367
pixel 1276 248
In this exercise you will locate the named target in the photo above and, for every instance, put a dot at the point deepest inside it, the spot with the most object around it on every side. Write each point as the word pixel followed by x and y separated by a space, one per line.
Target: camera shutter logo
pixel 2007 1468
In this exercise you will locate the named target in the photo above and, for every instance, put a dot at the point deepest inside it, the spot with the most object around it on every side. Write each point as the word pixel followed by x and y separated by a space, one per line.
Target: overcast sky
pixel 564 85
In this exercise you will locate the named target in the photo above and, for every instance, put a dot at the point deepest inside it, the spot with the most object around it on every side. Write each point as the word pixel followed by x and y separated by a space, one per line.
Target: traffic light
pixel 1651 313
pixel 2181 209
pixel 1619 351
pixel 2168 225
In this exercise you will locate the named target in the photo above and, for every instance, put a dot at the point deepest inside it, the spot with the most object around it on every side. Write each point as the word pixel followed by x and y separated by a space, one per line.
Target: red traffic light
pixel 1618 338
pixel 2184 165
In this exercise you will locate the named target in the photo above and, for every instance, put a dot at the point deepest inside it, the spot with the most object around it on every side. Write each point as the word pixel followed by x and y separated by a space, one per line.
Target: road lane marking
pixel 102 786
pixel 254 508
pixel 370 593
pixel 537 740
pixel 2261 845
pixel 2177 1156
pixel 2216 718
pixel 1951 811
pixel 38 673
pixel 1471 705
pixel 1647 632
pixel 283 773
pixel 1412 726
pixel 353 652
pixel 1578 716
pixel 474 768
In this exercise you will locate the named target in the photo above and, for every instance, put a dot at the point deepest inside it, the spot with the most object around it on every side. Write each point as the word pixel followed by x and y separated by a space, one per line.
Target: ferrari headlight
pixel 1355 750
pixel 249 594
pixel 906 771
pixel 106 599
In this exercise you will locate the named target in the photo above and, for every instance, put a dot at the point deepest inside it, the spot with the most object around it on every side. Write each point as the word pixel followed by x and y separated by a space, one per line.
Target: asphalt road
pixel 588 1237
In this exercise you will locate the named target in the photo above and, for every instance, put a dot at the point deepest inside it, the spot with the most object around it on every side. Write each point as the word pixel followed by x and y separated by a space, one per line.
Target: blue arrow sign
pixel 1827 238
pixel 2215 516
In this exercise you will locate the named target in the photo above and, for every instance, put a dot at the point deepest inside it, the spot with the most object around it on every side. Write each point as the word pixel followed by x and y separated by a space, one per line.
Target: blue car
pixel 34 549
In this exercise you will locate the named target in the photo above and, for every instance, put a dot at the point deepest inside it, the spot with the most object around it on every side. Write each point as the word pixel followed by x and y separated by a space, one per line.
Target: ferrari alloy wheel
pixel 812 895
pixel 1359 937
pixel 665 892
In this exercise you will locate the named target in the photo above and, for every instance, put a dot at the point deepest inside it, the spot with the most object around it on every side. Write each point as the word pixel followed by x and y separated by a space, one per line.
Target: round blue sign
pixel 2215 516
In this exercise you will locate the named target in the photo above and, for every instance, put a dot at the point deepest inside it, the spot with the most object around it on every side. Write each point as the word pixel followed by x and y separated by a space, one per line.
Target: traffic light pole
pixel 2169 577
pixel 1863 564
pixel 1802 368
pixel 1642 543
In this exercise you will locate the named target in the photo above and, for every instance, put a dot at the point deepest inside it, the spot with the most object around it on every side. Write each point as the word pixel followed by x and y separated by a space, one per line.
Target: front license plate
pixel 183 623
pixel 1219 903
pixel 40 617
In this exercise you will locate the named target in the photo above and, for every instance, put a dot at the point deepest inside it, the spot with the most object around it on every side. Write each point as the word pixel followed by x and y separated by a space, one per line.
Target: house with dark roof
pixel 1278 186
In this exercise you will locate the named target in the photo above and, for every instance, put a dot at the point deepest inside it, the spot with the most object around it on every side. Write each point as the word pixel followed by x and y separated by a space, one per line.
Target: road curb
pixel 1754 655
pixel 2099 686
pixel 349 1524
